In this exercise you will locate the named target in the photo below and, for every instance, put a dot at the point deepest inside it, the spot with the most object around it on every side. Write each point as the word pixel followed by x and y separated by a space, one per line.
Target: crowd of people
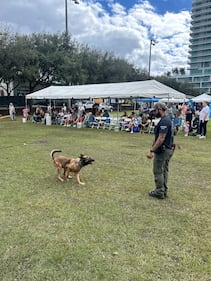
pixel 68 117
pixel 192 120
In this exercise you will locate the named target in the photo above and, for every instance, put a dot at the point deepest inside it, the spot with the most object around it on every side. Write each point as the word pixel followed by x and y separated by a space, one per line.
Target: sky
pixel 123 27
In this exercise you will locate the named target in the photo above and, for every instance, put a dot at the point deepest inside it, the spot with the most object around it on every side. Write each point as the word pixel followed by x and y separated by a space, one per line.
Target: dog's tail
pixel 53 152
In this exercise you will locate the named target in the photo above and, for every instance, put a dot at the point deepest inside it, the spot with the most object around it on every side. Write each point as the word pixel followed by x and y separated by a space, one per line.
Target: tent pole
pixel 69 103
pixel 134 108
pixel 118 110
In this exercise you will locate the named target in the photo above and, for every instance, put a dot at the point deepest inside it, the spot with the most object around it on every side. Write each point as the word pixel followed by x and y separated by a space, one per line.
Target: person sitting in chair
pixel 134 124
pixel 106 113
pixel 144 123
pixel 90 118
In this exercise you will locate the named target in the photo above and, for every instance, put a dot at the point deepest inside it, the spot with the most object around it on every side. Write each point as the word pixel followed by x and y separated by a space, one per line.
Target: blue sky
pixel 118 26
pixel 176 6
pixel 161 6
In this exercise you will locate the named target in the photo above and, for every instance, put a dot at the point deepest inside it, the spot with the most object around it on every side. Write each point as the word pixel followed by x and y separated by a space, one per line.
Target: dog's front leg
pixel 78 179
pixel 67 173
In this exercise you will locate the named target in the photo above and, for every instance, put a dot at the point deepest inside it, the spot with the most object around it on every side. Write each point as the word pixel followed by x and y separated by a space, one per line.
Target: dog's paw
pixel 60 179
pixel 82 183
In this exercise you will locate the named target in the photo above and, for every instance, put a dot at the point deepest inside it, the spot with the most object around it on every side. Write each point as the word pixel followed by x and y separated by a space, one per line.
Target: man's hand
pixel 150 155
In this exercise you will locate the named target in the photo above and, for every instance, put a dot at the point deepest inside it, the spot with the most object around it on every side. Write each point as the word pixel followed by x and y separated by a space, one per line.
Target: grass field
pixel 109 229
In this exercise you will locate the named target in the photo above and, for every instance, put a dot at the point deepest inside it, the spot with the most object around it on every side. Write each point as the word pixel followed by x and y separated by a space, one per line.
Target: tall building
pixel 200 46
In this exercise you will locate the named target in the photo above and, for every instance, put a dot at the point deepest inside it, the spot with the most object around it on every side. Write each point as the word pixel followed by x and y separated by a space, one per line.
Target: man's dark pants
pixel 203 128
pixel 160 170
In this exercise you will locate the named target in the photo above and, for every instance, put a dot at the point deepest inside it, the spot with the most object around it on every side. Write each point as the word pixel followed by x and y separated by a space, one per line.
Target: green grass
pixel 109 229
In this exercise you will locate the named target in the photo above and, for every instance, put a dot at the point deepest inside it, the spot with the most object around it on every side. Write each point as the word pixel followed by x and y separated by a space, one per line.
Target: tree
pixel 175 71
pixel 183 87
pixel 40 60
pixel 56 59
pixel 12 61
pixel 37 59
pixel 182 71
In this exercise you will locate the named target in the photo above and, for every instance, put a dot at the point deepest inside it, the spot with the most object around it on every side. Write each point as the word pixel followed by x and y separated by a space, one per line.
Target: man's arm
pixel 156 145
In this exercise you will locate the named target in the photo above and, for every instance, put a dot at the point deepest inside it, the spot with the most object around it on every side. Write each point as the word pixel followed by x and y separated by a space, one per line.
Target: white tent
pixel 149 88
pixel 201 98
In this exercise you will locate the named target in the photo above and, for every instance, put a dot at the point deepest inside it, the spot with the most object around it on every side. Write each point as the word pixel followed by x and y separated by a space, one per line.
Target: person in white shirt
pixel 12 111
pixel 204 118
pixel 64 108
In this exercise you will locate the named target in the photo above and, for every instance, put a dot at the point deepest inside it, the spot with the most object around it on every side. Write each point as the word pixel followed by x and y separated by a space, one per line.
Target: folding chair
pixel 114 125
pixel 107 123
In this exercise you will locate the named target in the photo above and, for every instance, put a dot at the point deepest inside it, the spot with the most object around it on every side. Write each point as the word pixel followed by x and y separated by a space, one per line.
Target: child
pixel 25 113
pixel 187 128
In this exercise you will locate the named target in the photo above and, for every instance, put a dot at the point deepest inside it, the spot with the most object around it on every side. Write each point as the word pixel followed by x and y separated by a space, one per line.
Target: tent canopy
pixel 149 88
pixel 201 98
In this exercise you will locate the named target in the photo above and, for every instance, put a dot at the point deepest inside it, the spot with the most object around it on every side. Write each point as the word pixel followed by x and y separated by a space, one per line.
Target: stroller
pixel 194 129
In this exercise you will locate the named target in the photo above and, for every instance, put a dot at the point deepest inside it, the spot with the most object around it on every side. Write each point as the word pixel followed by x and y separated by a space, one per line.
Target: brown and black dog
pixel 70 165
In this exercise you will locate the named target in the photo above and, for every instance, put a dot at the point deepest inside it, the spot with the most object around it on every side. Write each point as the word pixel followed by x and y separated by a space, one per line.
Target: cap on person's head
pixel 160 105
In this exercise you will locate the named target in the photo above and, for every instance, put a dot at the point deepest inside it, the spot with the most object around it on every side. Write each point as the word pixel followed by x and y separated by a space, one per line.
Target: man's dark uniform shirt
pixel 164 126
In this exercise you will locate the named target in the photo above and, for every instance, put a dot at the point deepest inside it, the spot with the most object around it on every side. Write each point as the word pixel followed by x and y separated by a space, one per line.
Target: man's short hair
pixel 160 105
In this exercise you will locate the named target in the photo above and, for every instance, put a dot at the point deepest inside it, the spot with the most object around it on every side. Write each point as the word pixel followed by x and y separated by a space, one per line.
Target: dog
pixel 70 165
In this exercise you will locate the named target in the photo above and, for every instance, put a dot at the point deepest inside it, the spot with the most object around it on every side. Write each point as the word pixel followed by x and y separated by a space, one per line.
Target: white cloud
pixel 126 33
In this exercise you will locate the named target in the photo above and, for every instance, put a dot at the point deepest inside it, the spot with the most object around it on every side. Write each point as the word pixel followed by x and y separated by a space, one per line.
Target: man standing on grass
pixel 162 150
pixel 204 118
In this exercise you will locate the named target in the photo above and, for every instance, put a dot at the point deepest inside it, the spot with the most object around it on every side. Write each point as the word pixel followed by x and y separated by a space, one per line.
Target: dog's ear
pixel 81 155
